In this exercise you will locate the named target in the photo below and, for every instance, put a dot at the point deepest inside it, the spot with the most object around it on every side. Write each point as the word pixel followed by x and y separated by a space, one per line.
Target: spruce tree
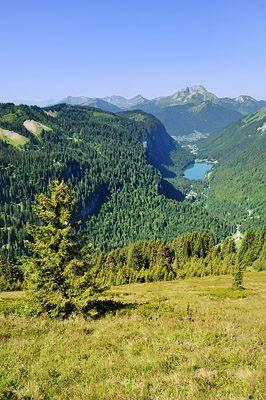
pixel 238 276
pixel 11 276
pixel 247 251
pixel 59 276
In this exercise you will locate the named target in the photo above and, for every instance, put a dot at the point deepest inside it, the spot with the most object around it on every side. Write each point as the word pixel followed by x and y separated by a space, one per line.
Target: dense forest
pixel 188 255
pixel 235 189
pixel 117 164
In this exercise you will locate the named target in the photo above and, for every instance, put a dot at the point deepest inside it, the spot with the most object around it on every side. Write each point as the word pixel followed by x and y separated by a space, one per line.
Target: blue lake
pixel 197 170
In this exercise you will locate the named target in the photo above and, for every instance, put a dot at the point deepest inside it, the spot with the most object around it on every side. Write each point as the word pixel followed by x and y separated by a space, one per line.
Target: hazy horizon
pixel 118 94
pixel 56 49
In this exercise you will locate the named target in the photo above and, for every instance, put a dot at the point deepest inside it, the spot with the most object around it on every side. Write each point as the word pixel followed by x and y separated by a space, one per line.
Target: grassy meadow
pixel 185 339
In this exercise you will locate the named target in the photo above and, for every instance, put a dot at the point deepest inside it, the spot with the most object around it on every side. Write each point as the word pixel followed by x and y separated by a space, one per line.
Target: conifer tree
pixel 247 252
pixel 59 276
pixel 11 276
pixel 238 276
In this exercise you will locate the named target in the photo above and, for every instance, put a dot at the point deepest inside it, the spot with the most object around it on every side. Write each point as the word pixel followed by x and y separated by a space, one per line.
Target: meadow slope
pixel 186 339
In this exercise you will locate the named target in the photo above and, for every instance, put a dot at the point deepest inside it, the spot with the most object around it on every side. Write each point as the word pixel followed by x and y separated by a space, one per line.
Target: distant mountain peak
pixel 114 97
pixel 243 98
pixel 196 91
pixel 75 100
pixel 139 99
pixel 124 103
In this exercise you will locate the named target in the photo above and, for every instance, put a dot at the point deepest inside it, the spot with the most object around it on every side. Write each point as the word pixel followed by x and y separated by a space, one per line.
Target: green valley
pixel 115 164
pixel 133 200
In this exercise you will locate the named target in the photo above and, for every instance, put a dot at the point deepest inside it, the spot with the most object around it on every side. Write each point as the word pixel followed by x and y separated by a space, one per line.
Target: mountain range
pixel 189 114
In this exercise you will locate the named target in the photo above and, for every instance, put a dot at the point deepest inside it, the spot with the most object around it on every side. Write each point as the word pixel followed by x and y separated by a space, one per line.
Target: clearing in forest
pixel 35 127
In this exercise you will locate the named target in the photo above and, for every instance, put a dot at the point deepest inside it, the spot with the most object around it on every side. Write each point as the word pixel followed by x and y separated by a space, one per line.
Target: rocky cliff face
pixel 159 146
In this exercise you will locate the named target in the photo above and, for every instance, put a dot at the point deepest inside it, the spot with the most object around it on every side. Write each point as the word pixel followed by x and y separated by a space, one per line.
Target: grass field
pixel 190 339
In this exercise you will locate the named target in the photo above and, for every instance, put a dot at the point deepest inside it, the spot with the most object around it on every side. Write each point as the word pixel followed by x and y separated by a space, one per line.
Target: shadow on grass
pixel 97 308
pixel 100 308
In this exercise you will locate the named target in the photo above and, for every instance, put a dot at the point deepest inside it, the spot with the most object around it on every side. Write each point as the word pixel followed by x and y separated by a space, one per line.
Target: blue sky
pixel 51 49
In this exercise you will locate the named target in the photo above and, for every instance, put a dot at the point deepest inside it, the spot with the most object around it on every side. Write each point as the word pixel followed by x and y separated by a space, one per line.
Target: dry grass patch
pixel 35 127
pixel 51 113
pixel 13 138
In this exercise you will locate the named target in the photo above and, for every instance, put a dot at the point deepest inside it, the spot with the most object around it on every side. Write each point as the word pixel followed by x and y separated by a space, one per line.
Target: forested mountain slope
pixel 238 136
pixel 206 117
pixel 107 159
pixel 237 189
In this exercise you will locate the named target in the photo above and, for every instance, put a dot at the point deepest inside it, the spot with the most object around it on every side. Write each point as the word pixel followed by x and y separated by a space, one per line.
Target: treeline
pixel 253 249
pixel 188 255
